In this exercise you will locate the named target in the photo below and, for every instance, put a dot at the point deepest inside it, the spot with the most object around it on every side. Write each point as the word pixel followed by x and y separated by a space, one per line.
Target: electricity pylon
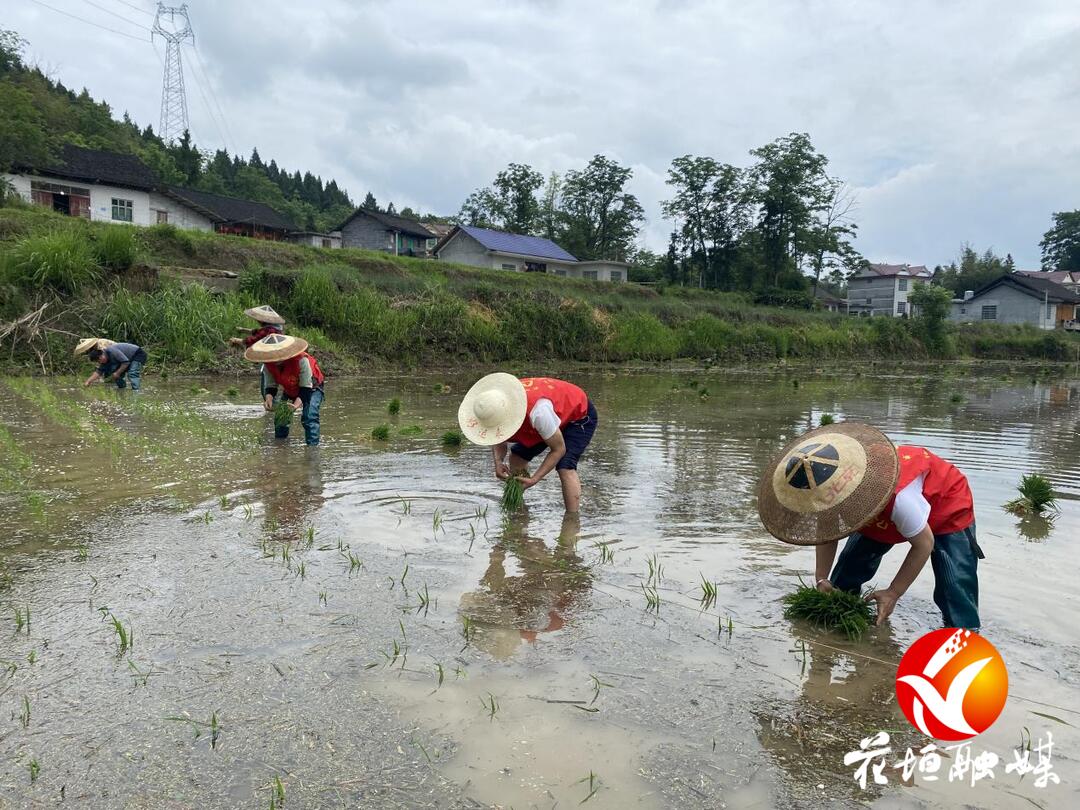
pixel 174 114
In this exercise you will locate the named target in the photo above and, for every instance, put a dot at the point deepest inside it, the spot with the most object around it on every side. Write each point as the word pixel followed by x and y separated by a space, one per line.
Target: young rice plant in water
pixel 283 414
pixel 513 494
pixel 1036 496
pixel 835 610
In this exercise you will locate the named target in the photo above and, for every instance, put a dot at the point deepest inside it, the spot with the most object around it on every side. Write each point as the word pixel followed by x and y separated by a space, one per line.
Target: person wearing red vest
pixel 519 419
pixel 850 474
pixel 933 510
pixel 288 366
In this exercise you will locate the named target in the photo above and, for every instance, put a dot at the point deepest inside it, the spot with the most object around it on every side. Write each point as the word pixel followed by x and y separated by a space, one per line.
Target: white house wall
pixel 463 249
pixel 881 295
pixel 1013 307
pixel 179 215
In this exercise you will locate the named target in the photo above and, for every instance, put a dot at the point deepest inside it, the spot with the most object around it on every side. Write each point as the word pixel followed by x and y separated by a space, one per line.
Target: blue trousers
pixel 309 418
pixel 955 560
pixel 133 374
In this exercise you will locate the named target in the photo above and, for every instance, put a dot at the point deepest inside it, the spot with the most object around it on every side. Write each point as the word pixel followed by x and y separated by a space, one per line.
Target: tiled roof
pixel 1057 276
pixel 392 222
pixel 97 166
pixel 231 209
pixel 1037 287
pixel 503 242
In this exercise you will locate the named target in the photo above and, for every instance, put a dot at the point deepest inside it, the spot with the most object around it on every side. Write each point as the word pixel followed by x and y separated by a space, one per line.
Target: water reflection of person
pixel 507 608
pixel 847 693
pixel 291 495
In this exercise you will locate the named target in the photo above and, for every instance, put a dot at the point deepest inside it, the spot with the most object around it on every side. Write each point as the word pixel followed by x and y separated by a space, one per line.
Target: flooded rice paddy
pixel 195 615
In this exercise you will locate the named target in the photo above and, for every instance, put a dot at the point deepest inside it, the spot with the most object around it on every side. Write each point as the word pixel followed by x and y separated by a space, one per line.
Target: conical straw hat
pixel 264 314
pixel 828 483
pixel 86 344
pixel 493 409
pixel 275 348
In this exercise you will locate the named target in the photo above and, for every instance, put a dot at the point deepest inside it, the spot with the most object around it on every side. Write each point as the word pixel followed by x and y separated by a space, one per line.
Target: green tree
pixel 370 202
pixel 548 220
pixel 1061 244
pixel 932 305
pixel 830 235
pixel 971 270
pixel 509 203
pixel 598 218
pixel 23 138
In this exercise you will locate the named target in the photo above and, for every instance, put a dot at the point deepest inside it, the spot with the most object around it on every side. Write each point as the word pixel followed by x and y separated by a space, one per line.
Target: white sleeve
pixel 910 509
pixel 544 419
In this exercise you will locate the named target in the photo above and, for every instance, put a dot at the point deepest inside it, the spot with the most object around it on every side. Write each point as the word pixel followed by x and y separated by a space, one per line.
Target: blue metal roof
pixel 504 242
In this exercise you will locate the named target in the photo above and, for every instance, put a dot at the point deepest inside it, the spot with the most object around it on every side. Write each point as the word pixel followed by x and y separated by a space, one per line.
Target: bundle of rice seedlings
pixel 452 438
pixel 394 407
pixel 835 610
pixel 283 414
pixel 827 419
pixel 1036 496
pixel 380 433
pixel 513 494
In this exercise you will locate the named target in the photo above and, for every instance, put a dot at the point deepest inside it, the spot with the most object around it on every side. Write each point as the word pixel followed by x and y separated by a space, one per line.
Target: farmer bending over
pixel 119 362
pixel 269 323
pixel 287 364
pixel 534 413
pixel 850 476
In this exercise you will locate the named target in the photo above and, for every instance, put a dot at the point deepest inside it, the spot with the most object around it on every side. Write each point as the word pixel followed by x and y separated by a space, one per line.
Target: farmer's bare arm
pixel 120 371
pixel 826 553
pixel 557 449
pixel 921 546
pixel 498 453
pixel 93 378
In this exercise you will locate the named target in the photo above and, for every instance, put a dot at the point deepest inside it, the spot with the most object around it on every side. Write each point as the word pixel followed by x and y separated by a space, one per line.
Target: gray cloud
pixel 953 121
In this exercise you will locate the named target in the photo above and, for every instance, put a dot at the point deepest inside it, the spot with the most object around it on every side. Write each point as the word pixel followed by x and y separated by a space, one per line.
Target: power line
pixel 118 16
pixel 136 8
pixel 88 22
pixel 209 110
pixel 230 142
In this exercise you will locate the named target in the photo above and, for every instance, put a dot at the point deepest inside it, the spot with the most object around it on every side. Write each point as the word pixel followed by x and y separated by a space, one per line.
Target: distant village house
pixel 1020 298
pixel 499 250
pixel 883 289
pixel 376 230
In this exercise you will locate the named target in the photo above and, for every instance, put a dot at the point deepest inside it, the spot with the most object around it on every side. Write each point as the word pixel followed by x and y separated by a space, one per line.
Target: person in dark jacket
pixel 121 363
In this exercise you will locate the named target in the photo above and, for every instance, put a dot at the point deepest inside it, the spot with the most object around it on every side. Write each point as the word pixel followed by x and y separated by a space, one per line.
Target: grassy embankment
pixel 361 307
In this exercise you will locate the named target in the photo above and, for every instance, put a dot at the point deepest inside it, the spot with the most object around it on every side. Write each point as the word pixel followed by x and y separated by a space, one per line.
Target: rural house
pixel 316 238
pixel 1065 278
pixel 1020 298
pixel 111 187
pixel 882 289
pixel 104 187
pixel 376 230
pixel 499 250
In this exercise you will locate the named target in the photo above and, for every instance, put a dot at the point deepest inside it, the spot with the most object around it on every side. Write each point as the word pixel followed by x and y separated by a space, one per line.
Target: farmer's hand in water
pixel 528 482
pixel 502 472
pixel 297 404
pixel 268 402
pixel 886 601
pixel 824 586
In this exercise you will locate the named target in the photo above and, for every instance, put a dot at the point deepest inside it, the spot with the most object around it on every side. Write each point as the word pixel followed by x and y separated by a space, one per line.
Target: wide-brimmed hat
pixel 264 314
pixel 493 409
pixel 275 348
pixel 828 483
pixel 86 344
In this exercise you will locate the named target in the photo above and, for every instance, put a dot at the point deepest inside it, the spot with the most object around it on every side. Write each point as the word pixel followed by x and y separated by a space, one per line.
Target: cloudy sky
pixel 954 121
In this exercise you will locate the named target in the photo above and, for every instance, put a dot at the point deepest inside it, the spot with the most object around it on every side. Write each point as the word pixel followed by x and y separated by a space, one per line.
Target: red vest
pixel 571 404
pixel 287 374
pixel 944 486
pixel 258 334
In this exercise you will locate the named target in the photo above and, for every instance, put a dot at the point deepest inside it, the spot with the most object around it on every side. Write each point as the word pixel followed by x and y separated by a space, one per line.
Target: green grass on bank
pixel 356 307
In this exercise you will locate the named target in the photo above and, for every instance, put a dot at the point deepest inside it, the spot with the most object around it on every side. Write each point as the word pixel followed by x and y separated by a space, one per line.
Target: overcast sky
pixel 954 121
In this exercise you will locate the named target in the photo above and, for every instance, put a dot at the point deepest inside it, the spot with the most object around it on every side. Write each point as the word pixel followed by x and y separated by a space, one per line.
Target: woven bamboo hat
pixel 493 409
pixel 264 314
pixel 828 483
pixel 86 344
pixel 275 348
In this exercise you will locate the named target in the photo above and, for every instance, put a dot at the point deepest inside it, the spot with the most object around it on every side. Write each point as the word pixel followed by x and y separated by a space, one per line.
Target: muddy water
pixel 362 623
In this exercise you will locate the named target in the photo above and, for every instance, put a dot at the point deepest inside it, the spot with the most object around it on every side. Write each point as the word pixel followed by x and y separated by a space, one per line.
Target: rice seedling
pixel 720 626
pixel 24 712
pixel 35 770
pixel 513 494
pixel 708 593
pixel 826 419
pixel 309 536
pixel 607 556
pixel 10 668
pixel 1036 496
pixel 703 393
pixel 426 602
pixel 594 785
pixel 380 433
pixel 394 407
pixel 22 620
pixel 82 553
pixel 354 562
pixel 655 572
pixel 322 598
pixel 437 519
pixel 956 399
pixel 301 570
pixel 223 501
pixel 232 391
pixel 452 438
pixel 597 685
pixel 125 636
pixel 440 675
pixel 652 598
pixel 208 518
pixel 411 430
pixel 491 706
pixel 835 610
pixel 404 574
pixel 277 794
pixel 249 513
pixel 406 506
pixel 283 414
pixel 31 657
pixel 468 630
pixel 139 676
pixel 215 729
pixel 481 513
pixel 286 555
